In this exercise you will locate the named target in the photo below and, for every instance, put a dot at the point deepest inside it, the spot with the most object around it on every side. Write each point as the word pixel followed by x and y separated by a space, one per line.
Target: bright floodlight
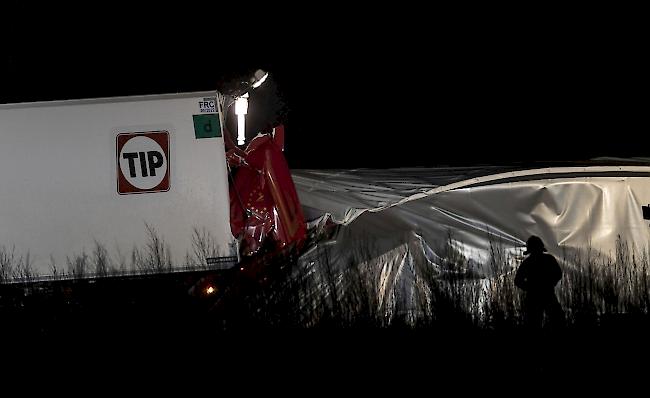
pixel 241 108
pixel 260 77
pixel 209 290
pixel 241 129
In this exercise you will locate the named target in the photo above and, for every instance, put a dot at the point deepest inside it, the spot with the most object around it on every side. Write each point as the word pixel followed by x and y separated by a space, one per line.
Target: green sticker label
pixel 207 125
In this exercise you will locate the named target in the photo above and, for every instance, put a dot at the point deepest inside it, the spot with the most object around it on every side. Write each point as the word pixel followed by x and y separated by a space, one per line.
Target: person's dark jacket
pixel 538 273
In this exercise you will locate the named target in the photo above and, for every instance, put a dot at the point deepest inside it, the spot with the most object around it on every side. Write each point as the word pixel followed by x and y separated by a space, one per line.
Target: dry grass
pixel 403 289
pixel 367 292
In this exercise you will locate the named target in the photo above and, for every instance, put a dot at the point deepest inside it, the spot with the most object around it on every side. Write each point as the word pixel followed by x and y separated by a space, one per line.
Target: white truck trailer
pixel 105 185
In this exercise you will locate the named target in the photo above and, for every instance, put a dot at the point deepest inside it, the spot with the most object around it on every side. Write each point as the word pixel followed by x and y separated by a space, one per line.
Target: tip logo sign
pixel 142 162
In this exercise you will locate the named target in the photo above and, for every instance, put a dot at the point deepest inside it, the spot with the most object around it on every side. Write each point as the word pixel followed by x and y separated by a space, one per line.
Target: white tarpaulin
pixel 386 217
pixel 569 207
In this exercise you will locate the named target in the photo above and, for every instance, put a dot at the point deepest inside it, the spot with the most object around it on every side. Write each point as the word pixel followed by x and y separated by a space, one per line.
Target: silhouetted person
pixel 537 276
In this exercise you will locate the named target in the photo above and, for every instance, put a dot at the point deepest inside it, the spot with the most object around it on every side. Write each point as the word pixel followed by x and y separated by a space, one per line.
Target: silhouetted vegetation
pixel 404 291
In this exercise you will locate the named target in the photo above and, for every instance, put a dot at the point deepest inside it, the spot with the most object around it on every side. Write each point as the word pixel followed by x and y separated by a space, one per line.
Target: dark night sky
pixel 382 95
